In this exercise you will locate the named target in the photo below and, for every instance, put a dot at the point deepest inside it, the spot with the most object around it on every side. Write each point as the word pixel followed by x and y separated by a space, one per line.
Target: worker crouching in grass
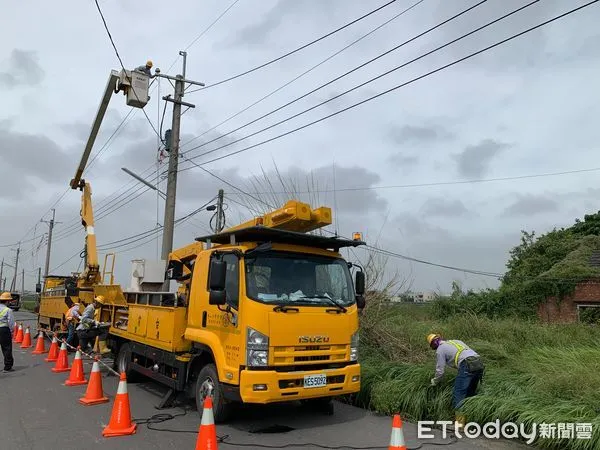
pixel 89 328
pixel 458 355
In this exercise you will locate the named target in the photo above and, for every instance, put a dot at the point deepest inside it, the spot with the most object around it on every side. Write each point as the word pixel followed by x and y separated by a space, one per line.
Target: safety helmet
pixel 99 298
pixel 6 296
pixel 149 63
pixel 433 340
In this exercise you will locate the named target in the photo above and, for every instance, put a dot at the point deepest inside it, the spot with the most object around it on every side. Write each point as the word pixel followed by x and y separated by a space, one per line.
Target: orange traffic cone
pixel 53 353
pixel 40 347
pixel 62 362
pixel 26 339
pixel 94 394
pixel 397 438
pixel 19 335
pixel 120 423
pixel 76 377
pixel 207 436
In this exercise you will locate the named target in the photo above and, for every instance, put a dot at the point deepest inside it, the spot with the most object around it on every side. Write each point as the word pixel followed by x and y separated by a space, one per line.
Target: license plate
pixel 315 381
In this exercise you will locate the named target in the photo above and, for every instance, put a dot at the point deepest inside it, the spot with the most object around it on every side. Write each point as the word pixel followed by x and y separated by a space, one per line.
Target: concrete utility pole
pixel 2 271
pixel 22 283
pixel 13 285
pixel 50 228
pixel 4 284
pixel 173 146
pixel 220 223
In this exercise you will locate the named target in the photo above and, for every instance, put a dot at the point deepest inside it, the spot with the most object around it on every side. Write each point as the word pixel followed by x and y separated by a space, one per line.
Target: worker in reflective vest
pixel 7 326
pixel 458 355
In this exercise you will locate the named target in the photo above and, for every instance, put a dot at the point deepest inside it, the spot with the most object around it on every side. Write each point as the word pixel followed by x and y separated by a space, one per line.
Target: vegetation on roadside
pixel 535 374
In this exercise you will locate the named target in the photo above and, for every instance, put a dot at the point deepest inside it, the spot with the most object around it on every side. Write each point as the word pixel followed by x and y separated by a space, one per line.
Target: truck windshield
pixel 282 278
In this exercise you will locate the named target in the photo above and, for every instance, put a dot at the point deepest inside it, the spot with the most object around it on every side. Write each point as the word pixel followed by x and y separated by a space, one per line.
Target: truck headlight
pixel 257 348
pixel 354 347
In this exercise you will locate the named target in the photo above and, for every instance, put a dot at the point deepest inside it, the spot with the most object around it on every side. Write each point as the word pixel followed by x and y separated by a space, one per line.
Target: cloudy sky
pixel 400 168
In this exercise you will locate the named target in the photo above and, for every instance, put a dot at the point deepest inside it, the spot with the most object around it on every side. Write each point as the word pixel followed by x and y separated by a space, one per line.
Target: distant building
pixel 414 297
pixel 580 306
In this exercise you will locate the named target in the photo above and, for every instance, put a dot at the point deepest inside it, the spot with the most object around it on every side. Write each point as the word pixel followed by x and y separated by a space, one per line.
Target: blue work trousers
pixel 71 333
pixel 465 384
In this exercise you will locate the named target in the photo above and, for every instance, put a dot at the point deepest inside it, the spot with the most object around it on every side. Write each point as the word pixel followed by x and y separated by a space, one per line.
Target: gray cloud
pixel 529 205
pixel 442 207
pixel 474 159
pixel 23 69
pixel 26 157
pixel 419 134
pixel 402 160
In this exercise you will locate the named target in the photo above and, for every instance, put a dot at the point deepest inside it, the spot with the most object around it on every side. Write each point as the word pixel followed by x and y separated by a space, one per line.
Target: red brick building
pixel 566 310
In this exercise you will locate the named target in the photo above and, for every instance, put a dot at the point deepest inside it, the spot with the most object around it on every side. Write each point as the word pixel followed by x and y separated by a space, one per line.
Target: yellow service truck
pixel 265 312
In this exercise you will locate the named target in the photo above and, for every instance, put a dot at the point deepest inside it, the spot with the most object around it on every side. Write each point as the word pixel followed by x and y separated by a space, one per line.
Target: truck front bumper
pixel 269 386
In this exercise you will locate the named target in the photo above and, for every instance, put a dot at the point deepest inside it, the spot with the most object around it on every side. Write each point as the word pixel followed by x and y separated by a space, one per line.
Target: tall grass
pixel 534 373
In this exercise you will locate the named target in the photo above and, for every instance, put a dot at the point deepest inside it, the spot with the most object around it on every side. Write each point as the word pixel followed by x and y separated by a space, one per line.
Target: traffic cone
pixel 53 353
pixel 26 339
pixel 40 347
pixel 397 438
pixel 120 423
pixel 94 394
pixel 207 435
pixel 19 335
pixel 76 377
pixel 62 362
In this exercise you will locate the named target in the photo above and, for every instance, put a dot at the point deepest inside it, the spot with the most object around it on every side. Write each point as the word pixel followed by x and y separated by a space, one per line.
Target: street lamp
pixel 141 180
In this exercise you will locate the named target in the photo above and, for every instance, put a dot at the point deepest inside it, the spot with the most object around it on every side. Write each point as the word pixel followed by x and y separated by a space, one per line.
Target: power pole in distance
pixel 22 283
pixel 13 285
pixel 2 271
pixel 51 224
pixel 169 220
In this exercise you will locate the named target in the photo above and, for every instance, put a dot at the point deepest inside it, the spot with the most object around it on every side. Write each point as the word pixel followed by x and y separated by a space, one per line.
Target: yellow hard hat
pixel 99 298
pixel 5 296
pixel 149 63
pixel 431 337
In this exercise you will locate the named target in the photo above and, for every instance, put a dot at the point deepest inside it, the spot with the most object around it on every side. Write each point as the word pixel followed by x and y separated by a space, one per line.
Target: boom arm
pixel 76 182
pixel 293 216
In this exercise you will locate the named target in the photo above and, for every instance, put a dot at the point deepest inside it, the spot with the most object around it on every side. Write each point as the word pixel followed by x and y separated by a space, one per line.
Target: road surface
pixel 38 412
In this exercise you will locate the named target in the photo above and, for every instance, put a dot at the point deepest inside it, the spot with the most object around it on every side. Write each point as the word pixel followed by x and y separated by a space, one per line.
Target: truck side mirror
pixel 360 290
pixel 360 283
pixel 216 282
pixel 38 287
pixel 218 271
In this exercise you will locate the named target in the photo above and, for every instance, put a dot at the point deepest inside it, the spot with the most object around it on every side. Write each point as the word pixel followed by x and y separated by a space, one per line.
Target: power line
pixel 401 13
pixel 123 65
pixel 361 84
pixel 211 25
pixel 329 82
pixel 397 86
pixel 279 58
pixel 439 183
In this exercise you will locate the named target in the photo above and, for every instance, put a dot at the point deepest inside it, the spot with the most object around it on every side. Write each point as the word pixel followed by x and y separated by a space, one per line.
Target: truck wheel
pixel 122 363
pixel 208 381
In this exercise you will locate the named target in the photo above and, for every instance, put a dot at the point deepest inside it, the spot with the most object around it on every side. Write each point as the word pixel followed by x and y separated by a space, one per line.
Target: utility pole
pixel 173 146
pixel 220 223
pixel 2 272
pixel 4 284
pixel 50 228
pixel 23 283
pixel 13 285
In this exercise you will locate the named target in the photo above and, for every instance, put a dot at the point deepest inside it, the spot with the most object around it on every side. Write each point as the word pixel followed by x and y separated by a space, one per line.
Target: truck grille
pixel 309 354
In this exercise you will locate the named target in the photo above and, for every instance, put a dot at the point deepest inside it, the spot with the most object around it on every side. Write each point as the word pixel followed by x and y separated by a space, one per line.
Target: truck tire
pixel 209 378
pixel 122 363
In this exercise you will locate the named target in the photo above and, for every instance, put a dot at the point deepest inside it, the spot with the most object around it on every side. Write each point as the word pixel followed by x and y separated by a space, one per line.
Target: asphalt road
pixel 38 412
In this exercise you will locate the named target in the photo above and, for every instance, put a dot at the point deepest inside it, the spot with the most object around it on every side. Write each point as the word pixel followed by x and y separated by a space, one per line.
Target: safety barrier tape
pixel 51 334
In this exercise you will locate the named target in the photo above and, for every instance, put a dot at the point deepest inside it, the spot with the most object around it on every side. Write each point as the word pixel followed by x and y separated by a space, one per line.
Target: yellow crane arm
pixel 92 269
pixel 293 216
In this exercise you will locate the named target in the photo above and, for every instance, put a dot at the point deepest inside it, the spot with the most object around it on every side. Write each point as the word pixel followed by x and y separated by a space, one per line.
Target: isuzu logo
pixel 313 339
